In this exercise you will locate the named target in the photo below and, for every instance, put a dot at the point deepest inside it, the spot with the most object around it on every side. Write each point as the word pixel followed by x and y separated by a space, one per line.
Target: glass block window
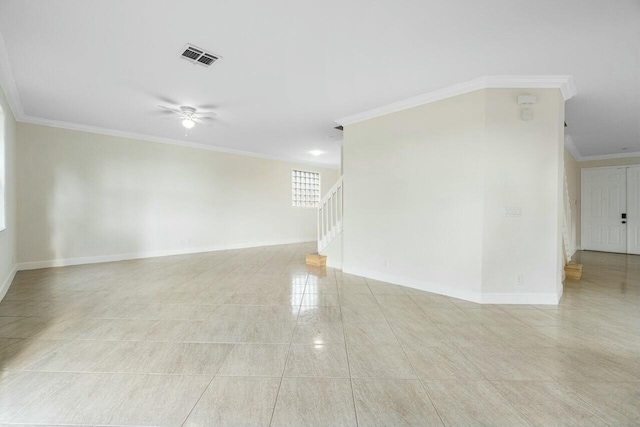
pixel 305 189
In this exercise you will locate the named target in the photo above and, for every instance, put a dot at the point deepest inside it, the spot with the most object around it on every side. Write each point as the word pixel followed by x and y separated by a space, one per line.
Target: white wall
pixel 426 191
pixel 8 236
pixel 523 166
pixel 413 196
pixel 87 197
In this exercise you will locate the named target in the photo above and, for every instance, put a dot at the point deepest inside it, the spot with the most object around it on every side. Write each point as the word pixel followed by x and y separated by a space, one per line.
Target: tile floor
pixel 255 338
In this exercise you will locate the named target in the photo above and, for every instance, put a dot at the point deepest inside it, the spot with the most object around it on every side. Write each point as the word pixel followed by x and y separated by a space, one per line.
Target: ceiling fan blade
pixel 200 121
pixel 206 113
pixel 208 107
pixel 165 113
pixel 173 110
pixel 166 100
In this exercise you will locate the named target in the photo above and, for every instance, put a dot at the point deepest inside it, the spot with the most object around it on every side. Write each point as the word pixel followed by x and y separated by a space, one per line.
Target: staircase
pixel 571 271
pixel 330 216
pixel 566 220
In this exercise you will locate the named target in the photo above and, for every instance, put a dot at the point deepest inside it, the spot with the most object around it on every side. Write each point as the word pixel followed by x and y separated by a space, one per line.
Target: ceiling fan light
pixel 188 123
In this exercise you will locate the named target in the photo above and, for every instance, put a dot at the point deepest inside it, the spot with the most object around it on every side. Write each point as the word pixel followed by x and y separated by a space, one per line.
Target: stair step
pixel 316 260
pixel 573 271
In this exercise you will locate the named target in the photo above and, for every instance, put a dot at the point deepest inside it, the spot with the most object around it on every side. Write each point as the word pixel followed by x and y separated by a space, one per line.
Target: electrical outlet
pixel 519 279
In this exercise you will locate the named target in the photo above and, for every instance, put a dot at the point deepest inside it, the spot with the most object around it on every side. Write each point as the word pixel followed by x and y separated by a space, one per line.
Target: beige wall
pixel 8 236
pixel 413 196
pixel 427 188
pixel 572 169
pixel 86 197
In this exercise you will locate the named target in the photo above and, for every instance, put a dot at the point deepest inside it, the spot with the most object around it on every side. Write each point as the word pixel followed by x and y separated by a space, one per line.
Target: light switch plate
pixel 512 211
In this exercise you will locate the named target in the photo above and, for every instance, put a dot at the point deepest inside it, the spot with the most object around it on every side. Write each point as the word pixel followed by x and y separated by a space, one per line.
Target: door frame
pixel 629 229
pixel 582 225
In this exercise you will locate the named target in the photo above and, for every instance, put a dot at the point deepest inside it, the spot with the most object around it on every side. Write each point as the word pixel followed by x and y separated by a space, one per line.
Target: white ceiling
pixel 290 68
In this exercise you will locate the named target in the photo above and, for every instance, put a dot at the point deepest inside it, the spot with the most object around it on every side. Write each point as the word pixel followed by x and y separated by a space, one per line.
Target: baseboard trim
pixel 447 290
pixel 436 288
pixel 34 265
pixel 537 299
pixel 4 286
pixel 334 264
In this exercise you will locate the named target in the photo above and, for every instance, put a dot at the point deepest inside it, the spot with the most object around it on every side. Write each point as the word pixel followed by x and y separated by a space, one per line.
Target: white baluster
pixel 330 215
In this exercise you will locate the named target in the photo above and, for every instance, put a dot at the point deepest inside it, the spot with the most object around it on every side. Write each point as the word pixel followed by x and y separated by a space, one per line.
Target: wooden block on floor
pixel 316 260
pixel 573 271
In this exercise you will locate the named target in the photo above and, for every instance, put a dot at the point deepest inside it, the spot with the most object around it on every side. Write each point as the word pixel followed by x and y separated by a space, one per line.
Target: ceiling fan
pixel 190 115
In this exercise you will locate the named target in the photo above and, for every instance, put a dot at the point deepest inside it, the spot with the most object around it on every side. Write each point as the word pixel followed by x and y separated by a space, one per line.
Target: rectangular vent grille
pixel 195 55
pixel 207 59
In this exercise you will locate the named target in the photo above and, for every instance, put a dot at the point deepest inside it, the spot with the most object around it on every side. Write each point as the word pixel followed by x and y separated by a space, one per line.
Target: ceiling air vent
pixel 207 59
pixel 195 55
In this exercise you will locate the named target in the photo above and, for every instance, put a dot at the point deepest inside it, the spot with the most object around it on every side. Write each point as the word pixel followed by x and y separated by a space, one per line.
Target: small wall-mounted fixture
pixel 527 99
pixel 526 114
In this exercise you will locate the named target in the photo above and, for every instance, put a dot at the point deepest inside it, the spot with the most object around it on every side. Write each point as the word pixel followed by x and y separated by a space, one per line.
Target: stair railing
pixel 566 221
pixel 330 216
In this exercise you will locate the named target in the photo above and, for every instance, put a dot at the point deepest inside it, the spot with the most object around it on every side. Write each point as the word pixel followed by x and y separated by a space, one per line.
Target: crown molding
pixel 565 84
pixel 10 89
pixel 8 83
pixel 571 147
pixel 611 156
pixel 150 138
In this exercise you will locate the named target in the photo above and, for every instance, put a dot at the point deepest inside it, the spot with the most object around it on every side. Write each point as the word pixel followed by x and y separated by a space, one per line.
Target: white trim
pixel 571 147
pixel 537 299
pixel 8 83
pixel 448 290
pixel 611 156
pixel 334 264
pixel 565 84
pixel 607 167
pixel 560 292
pixel 4 286
pixel 436 288
pixel 150 138
pixel 33 265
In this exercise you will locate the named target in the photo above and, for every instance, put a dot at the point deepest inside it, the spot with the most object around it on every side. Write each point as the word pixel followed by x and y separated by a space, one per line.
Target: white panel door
pixel 633 210
pixel 604 200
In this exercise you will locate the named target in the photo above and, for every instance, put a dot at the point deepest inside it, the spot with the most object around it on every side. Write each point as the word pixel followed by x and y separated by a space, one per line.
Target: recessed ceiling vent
pixel 195 55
